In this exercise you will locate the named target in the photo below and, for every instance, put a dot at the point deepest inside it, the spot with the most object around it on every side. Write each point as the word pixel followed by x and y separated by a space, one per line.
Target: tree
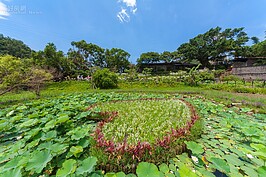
pixel 149 57
pixel 117 59
pixel 88 54
pixel 255 40
pixel 214 45
pixel 54 61
pixel 12 73
pixel 13 47
pixel 166 56
pixel 259 50
pixel 36 79
pixel 16 73
pixel 132 73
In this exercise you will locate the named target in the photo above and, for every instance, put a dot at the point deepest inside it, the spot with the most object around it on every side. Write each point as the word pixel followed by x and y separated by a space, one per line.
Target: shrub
pixel 105 79
pixel 231 78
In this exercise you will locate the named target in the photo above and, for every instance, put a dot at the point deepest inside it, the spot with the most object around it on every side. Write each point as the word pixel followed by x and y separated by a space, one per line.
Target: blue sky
pixel 136 26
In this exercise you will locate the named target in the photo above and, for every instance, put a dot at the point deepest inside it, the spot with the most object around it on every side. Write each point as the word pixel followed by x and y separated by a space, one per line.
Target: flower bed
pixel 142 130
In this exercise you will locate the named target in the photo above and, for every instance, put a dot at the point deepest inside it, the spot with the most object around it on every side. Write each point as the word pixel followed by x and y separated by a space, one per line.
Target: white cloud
pixel 127 7
pixel 3 11
pixel 134 10
pixel 129 3
pixel 123 15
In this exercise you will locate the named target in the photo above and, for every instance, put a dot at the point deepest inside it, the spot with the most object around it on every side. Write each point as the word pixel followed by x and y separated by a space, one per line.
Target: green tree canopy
pixel 149 57
pixel 55 61
pixel 87 54
pixel 117 59
pixel 167 56
pixel 15 72
pixel 214 44
pixel 13 47
pixel 259 50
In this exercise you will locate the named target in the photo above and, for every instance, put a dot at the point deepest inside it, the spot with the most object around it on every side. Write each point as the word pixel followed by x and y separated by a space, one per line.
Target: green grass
pixel 255 101
pixel 52 89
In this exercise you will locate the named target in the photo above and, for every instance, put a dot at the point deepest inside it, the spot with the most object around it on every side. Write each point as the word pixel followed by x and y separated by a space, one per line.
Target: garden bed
pixel 142 130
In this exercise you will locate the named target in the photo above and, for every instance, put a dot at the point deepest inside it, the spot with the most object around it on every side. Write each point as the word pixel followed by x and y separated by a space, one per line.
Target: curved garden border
pixel 137 151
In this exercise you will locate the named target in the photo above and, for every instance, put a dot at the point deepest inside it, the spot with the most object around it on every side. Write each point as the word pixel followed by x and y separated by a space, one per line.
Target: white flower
pixel 19 137
pixel 250 156
pixel 195 159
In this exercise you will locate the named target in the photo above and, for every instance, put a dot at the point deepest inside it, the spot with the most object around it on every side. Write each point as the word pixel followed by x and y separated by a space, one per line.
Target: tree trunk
pixel 37 91
pixel 205 63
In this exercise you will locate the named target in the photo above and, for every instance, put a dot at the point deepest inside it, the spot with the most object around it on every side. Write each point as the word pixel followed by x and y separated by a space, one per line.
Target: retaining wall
pixel 250 73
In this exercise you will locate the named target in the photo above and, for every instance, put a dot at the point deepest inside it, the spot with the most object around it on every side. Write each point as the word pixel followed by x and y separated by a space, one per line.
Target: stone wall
pixel 250 73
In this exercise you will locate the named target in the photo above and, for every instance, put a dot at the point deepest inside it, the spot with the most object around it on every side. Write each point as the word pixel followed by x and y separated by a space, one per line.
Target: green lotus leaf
pixel 249 171
pixel 49 125
pixel 39 161
pixel 169 175
pixel 245 110
pixel 258 147
pixel 12 173
pixel 251 131
pixel 12 164
pixel 262 171
pixel 120 174
pixel 257 161
pixel 46 145
pixel 96 175
pixel 10 113
pixel 146 169
pixel 59 148
pixel 29 123
pixel 69 167
pixel 184 171
pixel 261 150
pixel 164 168
pixel 87 166
pixel 110 175
pixel 172 167
pixel 232 159
pixel 62 119
pixel 196 148
pixel 220 164
pixel 49 135
pixel 205 173
pixel 79 132
pixel 76 150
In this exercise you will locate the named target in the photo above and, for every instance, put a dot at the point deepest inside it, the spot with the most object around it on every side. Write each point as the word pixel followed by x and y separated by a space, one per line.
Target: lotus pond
pixel 55 137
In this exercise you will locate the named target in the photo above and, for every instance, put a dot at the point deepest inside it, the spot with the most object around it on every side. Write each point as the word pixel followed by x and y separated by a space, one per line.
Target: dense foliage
pixel 20 73
pixel 259 50
pixel 105 79
pixel 86 55
pixel 214 45
pixel 13 47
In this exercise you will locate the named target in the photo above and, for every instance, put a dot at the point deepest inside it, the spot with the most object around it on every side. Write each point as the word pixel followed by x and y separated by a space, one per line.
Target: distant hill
pixel 16 48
